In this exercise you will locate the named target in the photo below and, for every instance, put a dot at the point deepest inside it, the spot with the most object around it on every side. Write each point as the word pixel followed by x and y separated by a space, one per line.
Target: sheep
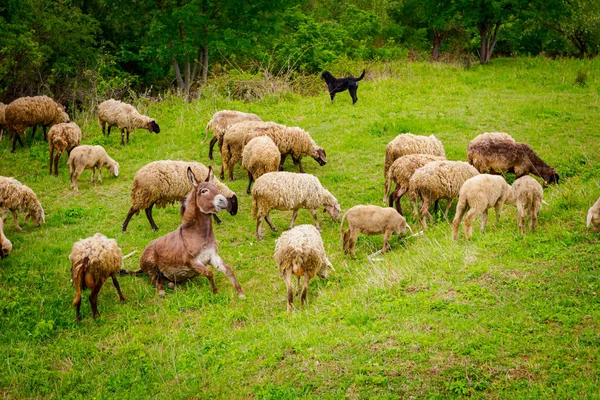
pixel 400 172
pixel 260 156
pixel 233 143
pixel 300 252
pixel 371 220
pixel 90 157
pixel 480 193
pixel 125 117
pixel 290 191
pixel 219 123
pixel 26 112
pixel 529 197
pixel 407 143
pixel 593 217
pixel 498 156
pixel 5 244
pixel 491 137
pixel 439 180
pixel 165 182
pixel 93 261
pixel 2 119
pixel 15 196
pixel 62 137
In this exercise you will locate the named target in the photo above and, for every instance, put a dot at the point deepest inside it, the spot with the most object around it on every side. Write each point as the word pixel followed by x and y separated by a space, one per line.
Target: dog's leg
pixel 352 91
pixel 332 95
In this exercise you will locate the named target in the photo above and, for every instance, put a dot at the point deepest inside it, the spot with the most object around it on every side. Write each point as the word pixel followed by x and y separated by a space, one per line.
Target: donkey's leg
pixel 220 265
pixel 202 270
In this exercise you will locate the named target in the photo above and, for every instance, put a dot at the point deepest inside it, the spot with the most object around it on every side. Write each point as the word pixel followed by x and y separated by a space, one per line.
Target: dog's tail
pixel 361 76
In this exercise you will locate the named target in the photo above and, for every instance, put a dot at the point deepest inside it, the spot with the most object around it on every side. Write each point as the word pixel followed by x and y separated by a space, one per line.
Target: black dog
pixel 339 85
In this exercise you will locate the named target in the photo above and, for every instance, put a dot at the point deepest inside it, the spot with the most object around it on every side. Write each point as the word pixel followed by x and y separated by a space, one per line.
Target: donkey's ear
pixel 211 175
pixel 191 177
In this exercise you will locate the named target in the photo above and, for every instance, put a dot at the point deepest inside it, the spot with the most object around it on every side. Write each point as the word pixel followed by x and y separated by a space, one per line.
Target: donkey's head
pixel 205 196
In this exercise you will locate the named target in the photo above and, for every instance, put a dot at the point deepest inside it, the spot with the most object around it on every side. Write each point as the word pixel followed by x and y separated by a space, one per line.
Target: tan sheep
pixel 165 182
pixel 371 220
pixel 260 156
pixel 5 244
pixel 400 172
pixel 593 217
pixel 300 252
pixel 439 180
pixel 93 261
pixel 479 194
pixel 529 196
pixel 219 123
pixel 26 112
pixel 125 117
pixel 407 143
pixel 2 119
pixel 17 197
pixel 290 191
pixel 62 137
pixel 90 157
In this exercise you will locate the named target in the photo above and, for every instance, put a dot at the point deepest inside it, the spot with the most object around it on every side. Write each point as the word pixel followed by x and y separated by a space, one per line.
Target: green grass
pixel 499 316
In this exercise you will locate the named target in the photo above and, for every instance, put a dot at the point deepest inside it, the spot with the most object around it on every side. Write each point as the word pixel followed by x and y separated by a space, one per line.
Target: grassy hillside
pixel 500 316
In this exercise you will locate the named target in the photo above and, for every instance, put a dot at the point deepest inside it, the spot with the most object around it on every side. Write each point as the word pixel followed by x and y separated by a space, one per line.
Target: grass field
pixel 500 316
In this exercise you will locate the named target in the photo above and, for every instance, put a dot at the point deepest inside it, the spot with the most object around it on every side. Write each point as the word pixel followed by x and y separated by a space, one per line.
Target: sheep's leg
pixel 99 175
pixel 448 205
pixel 314 214
pixel 287 277
pixel 203 270
pixel 58 154
pixel 231 171
pixel 297 286
pixel 16 220
pixel 283 157
pixel 259 221
pixel 14 141
pixel 533 216
pixel 352 242
pixel 461 207
pixel 294 215
pixel 346 241
pixel 122 136
pixel 423 213
pixel 108 132
pixel 484 218
pixel 304 288
pixel 51 158
pixel 149 216
pixel 33 131
pixel 116 283
pixel 521 211
pixel 127 130
pixel 498 208
pixel 386 241
pixel 44 127
pixel 220 265
pixel 103 126
pixel 271 225
pixel 222 173
pixel 300 165
pixel 471 215
pixel 250 179
pixel 211 145
pixel 94 298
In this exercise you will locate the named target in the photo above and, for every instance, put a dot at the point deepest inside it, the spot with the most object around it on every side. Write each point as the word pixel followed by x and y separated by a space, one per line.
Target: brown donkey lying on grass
pixel 185 252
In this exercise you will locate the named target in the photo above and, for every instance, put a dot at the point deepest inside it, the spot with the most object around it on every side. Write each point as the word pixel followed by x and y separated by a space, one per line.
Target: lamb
pixel 371 220
pixel 260 156
pixel 62 137
pixel 400 172
pixel 593 217
pixel 529 197
pixel 480 193
pixel 300 252
pixel 290 191
pixel 2 119
pixel 407 143
pixel 15 196
pixel 125 117
pixel 5 244
pixel 90 157
pixel 93 261
pixel 27 112
pixel 505 156
pixel 219 123
pixel 165 182
pixel 439 180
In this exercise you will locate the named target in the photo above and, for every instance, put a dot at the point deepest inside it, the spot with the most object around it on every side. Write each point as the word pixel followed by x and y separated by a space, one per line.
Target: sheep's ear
pixel 191 177
pixel 211 175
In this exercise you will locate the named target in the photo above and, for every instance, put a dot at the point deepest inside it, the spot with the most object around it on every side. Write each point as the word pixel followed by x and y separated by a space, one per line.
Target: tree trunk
pixel 177 73
pixel 488 41
pixel 438 38
pixel 205 65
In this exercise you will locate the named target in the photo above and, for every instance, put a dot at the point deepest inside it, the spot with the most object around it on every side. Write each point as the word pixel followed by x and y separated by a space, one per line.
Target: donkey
pixel 185 252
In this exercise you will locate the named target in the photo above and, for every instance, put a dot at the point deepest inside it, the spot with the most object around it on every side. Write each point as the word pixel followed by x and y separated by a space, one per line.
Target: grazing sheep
pixel 290 191
pixel 407 143
pixel 260 156
pixel 93 261
pixel 233 143
pixel 219 123
pixel 593 217
pixel 5 244
pixel 505 156
pixel 400 172
pixel 165 182
pixel 371 220
pixel 529 196
pixel 125 117
pixel 62 137
pixel 90 157
pixel 15 196
pixel 27 112
pixel 439 180
pixel 2 119
pixel 300 252
pixel 480 193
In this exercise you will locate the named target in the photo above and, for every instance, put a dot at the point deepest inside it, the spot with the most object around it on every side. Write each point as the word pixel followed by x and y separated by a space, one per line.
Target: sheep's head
pixel 332 208
pixel 550 178
pixel 593 219
pixel 319 156
pixel 37 214
pixel 324 271
pixel 113 168
pixel 152 126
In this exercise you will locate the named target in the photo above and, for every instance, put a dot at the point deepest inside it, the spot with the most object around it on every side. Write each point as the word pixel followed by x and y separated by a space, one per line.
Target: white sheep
pixel 371 220
pixel 300 252
pixel 593 216
pixel 5 244
pixel 290 191
pixel 219 123
pixel 529 196
pixel 62 137
pixel 125 117
pixel 479 194
pixel 407 143
pixel 90 157
pixel 16 197
pixel 260 156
